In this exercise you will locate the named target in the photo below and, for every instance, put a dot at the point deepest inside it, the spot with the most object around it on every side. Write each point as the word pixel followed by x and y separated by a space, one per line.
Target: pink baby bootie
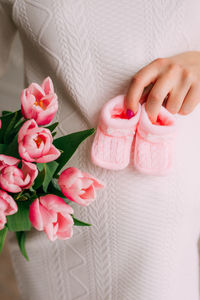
pixel 112 143
pixel 153 151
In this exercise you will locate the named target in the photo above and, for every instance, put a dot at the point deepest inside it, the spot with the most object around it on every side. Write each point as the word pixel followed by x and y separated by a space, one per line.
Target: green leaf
pixel 12 148
pixel 52 126
pixel 54 133
pixel 15 126
pixel 8 121
pixel 21 239
pixel 54 189
pixel 20 220
pixel 6 112
pixel 3 233
pixel 5 120
pixel 40 166
pixel 19 124
pixel 10 126
pixel 80 223
pixel 68 144
pixel 3 148
pixel 40 178
pixel 50 169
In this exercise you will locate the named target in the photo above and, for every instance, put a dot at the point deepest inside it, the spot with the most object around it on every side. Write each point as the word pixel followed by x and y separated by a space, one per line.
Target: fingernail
pixel 129 113
pixel 153 120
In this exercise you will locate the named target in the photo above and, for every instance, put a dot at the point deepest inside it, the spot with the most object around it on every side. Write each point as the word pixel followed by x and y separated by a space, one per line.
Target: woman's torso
pixel 143 242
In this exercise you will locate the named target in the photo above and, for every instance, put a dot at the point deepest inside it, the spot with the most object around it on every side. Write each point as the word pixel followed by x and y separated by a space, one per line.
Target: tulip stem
pixel 18 195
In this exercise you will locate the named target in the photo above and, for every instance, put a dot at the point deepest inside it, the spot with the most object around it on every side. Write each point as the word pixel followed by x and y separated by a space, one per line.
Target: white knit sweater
pixel 143 244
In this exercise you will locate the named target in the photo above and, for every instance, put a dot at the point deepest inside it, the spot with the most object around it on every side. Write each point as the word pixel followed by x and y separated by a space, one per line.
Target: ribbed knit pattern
pixel 143 244
pixel 115 150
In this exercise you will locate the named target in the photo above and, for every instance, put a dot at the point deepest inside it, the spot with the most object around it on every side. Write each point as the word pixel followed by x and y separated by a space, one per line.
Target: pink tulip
pixel 6 160
pixel 51 214
pixel 35 143
pixel 7 207
pixel 79 186
pixel 39 102
pixel 14 180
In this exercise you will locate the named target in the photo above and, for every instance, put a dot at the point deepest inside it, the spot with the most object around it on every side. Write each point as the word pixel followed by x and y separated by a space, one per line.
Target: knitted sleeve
pixel 7 34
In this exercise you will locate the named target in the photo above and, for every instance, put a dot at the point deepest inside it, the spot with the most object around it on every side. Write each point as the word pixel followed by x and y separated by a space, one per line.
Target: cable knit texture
pixel 154 143
pixel 114 136
pixel 143 244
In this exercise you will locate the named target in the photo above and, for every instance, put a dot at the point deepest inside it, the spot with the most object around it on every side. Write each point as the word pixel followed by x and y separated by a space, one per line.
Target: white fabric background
pixel 144 240
pixel 12 82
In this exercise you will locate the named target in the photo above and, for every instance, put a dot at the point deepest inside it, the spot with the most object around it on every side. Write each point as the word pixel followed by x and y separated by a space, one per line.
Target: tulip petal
pixel 47 85
pixel 30 172
pixel 85 183
pixel 47 140
pixel 51 214
pixel 9 187
pixel 36 90
pixel 55 203
pixel 23 153
pixel 35 215
pixel 65 224
pixel 11 206
pixel 69 176
pixel 48 216
pixel 39 102
pixel 27 102
pixel 2 220
pixel 34 145
pixel 6 160
pixel 30 124
pixel 89 193
pixel 79 186
pixel 51 230
pixel 53 154
pixel 3 204
pixel 74 196
pixel 67 234
pixel 98 184
pixel 45 116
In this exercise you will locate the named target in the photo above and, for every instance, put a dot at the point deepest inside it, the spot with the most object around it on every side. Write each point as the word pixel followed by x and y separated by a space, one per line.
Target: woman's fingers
pixel 178 94
pixel 175 100
pixel 162 87
pixel 142 79
pixel 164 82
pixel 146 93
pixel 191 100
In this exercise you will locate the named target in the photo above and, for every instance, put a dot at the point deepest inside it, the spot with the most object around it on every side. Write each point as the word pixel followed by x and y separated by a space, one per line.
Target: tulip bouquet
pixel 34 190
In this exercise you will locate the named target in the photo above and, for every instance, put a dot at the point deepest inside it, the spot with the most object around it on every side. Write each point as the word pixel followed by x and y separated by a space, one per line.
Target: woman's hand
pixel 174 80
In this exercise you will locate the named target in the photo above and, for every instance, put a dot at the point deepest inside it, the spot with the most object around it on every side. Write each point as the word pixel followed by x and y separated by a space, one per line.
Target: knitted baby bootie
pixel 154 143
pixel 112 143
